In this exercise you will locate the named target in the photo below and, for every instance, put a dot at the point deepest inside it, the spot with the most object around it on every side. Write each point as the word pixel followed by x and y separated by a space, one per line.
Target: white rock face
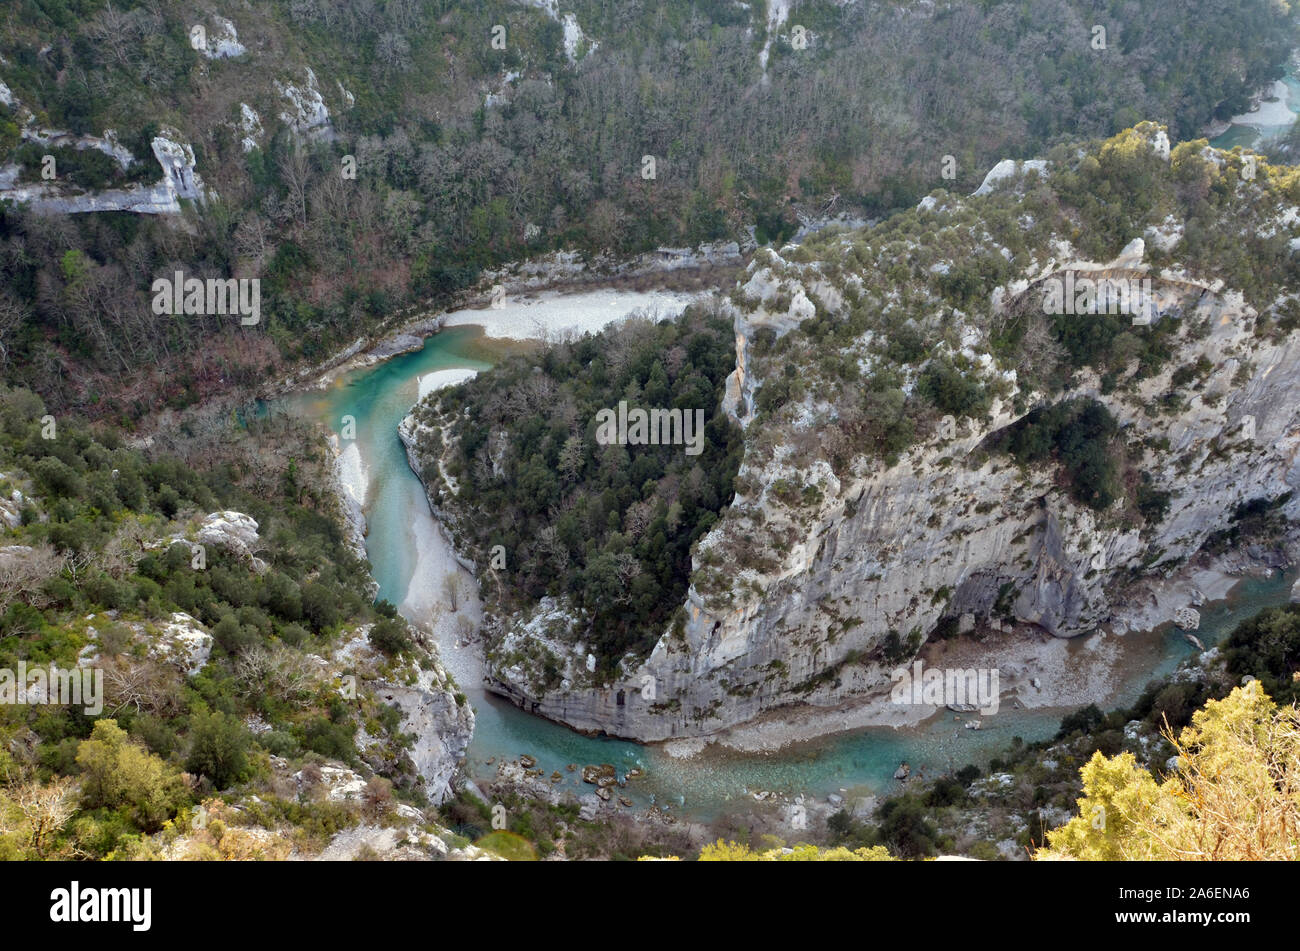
pixel 177 161
pixel 573 34
pixel 250 124
pixel 1160 145
pixel 1131 256
pixel 11 508
pixel 778 12
pixel 442 725
pixel 500 95
pixel 233 530
pixel 182 641
pixel 574 38
pixel 1166 235
pixel 222 41
pixel 179 181
pixel 405 842
pixel 341 783
pixel 1006 170
pixel 307 114
pixel 108 144
pixel 152 200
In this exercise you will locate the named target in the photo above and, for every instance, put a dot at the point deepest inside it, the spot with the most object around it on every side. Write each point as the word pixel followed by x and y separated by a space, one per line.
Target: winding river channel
pixel 401 529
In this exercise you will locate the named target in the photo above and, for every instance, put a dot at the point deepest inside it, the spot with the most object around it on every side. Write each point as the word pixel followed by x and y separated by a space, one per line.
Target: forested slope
pixel 469 151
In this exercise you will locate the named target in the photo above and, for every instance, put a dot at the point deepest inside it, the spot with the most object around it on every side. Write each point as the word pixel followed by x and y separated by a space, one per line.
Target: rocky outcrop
pixel 233 530
pixel 385 830
pixel 576 43
pixel 857 579
pixel 11 508
pixel 250 127
pixel 306 113
pixel 180 181
pixel 182 641
pixel 1006 170
pixel 434 712
pixel 221 41
pixel 442 722
pixel 107 144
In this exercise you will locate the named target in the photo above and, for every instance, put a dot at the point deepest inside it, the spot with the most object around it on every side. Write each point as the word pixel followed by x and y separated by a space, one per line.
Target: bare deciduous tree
pixel 451 590
pixel 142 686
pixel 12 314
pixel 23 571
pixel 46 809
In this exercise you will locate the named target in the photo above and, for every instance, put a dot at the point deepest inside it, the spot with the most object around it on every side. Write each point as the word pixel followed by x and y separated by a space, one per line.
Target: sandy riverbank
pixel 441 379
pixel 1272 109
pixel 351 483
pixel 552 315
pixel 428 602
pixel 353 476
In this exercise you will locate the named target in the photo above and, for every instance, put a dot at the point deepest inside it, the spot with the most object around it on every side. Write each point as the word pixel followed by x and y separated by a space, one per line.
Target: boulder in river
pixel 602 775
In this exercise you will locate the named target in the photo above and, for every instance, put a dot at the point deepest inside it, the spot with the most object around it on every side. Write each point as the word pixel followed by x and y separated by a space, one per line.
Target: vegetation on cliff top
pixel 927 315
pixel 92 569
pixel 1009 806
pixel 1232 795
pixel 607 528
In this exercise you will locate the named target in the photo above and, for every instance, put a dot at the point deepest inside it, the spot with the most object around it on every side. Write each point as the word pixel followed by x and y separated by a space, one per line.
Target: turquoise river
pixel 860 762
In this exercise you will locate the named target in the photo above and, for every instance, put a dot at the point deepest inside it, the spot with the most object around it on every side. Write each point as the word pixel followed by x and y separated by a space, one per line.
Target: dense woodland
pixel 608 527
pixel 860 120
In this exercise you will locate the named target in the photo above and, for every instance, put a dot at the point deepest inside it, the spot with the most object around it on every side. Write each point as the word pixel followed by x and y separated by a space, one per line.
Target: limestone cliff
pixel 435 715
pixel 836 561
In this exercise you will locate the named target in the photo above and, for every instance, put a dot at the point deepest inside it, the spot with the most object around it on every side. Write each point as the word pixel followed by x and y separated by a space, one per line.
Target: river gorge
pixel 411 559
